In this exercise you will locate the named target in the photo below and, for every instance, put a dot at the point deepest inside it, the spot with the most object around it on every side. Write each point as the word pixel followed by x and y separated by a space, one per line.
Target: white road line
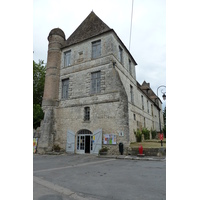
pixel 78 165
pixel 52 186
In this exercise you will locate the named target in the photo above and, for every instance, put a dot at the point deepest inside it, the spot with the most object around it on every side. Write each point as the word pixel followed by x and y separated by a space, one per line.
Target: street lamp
pixel 164 98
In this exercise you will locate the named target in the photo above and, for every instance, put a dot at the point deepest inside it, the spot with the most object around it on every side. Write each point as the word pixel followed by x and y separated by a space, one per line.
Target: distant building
pixel 91 96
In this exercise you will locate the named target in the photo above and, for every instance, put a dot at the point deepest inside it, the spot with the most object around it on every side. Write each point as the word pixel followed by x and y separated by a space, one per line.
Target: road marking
pixel 59 189
pixel 78 165
pixel 52 186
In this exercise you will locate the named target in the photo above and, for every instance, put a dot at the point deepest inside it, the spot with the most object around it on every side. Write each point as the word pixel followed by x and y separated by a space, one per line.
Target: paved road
pixel 69 177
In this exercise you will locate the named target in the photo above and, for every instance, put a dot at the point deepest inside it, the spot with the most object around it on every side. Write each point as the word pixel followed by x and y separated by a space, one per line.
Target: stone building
pixel 91 95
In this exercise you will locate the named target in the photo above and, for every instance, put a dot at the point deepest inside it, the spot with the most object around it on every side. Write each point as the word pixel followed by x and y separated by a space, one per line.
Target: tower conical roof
pixel 90 27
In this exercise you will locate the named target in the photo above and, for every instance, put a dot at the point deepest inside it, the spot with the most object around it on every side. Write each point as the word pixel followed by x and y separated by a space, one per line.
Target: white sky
pixel 148 39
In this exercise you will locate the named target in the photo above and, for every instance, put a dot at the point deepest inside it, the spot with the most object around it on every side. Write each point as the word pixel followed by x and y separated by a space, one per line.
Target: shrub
pixel 146 133
pixel 56 148
pixel 138 136
pixel 153 133
pixel 164 131
pixel 104 149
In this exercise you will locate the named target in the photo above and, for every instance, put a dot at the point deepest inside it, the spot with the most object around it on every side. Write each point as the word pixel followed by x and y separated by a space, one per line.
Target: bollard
pixel 121 149
pixel 140 149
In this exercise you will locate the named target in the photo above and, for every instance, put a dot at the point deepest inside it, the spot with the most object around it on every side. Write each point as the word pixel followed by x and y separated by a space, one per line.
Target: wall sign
pixel 109 139
pixel 35 143
pixel 121 133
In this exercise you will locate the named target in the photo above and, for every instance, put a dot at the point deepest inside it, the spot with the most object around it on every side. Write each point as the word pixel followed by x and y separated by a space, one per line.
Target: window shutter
pixel 97 145
pixel 70 146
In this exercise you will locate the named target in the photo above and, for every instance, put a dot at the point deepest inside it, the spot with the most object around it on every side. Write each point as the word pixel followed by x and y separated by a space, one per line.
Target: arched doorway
pixel 84 141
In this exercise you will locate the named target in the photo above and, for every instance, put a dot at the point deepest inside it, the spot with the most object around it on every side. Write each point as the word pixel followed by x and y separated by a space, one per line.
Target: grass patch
pixel 148 144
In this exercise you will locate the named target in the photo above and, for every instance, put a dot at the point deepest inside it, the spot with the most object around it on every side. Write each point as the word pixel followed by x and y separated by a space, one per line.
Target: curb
pixel 133 157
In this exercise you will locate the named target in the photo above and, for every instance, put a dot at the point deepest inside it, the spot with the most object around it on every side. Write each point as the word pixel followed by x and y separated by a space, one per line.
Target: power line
pixel 131 26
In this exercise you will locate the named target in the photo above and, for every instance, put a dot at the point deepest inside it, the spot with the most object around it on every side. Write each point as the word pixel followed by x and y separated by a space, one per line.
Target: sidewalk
pixel 146 158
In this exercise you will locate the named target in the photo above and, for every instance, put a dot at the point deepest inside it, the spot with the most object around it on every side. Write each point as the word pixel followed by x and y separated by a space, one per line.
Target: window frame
pixel 96 82
pixel 67 58
pixel 96 49
pixel 130 67
pixel 142 102
pixel 65 88
pixel 120 54
pixel 152 109
pixel 147 105
pixel 87 113
pixel 131 93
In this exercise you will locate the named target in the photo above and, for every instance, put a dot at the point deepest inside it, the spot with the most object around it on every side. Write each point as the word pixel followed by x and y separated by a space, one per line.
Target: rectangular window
pixel 134 116
pixel 142 102
pixel 86 113
pixel 96 49
pixel 96 82
pixel 120 54
pixel 130 67
pixel 65 88
pixel 131 92
pixel 67 58
pixel 151 109
pixel 147 106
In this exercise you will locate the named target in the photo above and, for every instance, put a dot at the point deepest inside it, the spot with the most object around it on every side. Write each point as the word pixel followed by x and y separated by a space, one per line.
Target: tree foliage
pixel 39 71
pixel 38 81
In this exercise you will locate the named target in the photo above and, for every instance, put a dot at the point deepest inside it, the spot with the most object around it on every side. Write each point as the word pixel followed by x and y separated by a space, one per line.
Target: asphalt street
pixel 68 177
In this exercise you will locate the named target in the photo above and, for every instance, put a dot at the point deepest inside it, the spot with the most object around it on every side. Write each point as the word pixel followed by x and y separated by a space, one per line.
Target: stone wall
pixel 149 151
pixel 108 109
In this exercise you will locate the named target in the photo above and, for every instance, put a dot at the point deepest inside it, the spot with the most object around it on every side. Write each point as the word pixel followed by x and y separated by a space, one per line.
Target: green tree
pixel 164 118
pixel 39 71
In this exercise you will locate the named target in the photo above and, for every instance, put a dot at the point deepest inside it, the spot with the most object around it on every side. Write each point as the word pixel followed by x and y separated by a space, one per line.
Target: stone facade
pixel 114 109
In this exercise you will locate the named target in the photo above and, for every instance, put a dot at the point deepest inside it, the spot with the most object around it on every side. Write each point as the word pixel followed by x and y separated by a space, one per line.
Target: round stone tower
pixel 56 40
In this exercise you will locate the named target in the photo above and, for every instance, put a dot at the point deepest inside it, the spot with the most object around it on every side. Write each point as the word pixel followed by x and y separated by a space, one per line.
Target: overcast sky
pixel 148 38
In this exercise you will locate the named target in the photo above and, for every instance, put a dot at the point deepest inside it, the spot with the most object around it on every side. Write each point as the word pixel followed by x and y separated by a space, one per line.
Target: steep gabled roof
pixel 90 27
pixel 146 89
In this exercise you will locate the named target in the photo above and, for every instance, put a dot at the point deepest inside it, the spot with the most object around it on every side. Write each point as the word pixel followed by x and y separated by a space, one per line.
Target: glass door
pixel 81 144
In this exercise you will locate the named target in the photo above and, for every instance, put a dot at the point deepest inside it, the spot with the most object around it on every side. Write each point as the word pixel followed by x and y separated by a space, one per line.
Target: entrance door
pixel 84 141
pixel 87 144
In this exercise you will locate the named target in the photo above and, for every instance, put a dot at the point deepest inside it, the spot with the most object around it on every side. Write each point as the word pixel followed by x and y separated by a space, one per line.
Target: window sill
pixel 86 121
pixel 64 99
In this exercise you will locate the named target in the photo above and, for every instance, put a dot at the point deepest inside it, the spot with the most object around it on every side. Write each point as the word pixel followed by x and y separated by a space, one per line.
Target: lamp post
pixel 164 98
